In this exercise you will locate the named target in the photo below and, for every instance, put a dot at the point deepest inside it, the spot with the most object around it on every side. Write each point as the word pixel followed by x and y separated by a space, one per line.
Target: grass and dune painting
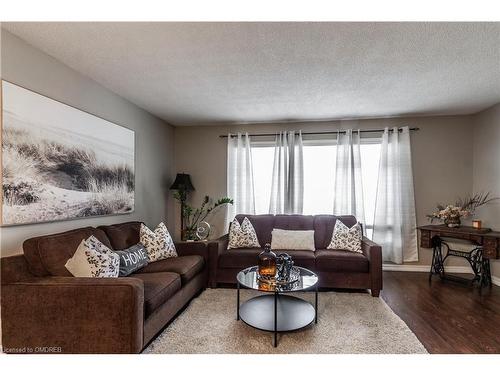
pixel 61 163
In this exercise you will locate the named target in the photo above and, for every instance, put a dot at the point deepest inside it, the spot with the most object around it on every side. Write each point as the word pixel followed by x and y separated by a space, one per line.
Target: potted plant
pixel 194 216
pixel 452 214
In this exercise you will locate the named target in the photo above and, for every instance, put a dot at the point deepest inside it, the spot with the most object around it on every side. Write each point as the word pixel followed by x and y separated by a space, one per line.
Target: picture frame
pixel 60 162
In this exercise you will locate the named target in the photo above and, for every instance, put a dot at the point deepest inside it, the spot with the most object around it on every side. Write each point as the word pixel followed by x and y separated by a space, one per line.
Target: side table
pixel 486 244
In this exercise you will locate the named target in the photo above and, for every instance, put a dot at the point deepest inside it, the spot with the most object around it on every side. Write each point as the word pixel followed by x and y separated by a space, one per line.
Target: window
pixel 319 172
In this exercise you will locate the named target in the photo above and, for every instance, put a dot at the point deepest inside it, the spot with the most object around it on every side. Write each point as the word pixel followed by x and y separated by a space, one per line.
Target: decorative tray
pixel 294 277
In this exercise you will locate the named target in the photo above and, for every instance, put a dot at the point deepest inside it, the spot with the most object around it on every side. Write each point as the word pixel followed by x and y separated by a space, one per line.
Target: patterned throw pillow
pixel 159 244
pixel 241 236
pixel 93 259
pixel 345 238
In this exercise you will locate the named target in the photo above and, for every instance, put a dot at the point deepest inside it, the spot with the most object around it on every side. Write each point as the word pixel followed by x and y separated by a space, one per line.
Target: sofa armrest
pixel 374 254
pixel 73 315
pixel 192 248
pixel 215 249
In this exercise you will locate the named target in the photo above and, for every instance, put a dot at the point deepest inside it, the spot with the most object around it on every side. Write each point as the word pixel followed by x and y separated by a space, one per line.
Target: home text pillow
pixel 158 244
pixel 93 259
pixel 132 259
pixel 241 236
pixel 345 238
pixel 292 239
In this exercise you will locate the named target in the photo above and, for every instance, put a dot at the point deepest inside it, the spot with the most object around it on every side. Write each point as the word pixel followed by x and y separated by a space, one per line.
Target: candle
pixel 476 224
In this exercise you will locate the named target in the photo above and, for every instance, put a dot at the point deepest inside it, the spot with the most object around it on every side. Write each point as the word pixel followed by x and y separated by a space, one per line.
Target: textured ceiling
pixel 206 73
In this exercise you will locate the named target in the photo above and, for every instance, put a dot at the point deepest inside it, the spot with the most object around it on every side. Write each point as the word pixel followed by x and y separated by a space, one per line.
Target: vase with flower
pixel 452 214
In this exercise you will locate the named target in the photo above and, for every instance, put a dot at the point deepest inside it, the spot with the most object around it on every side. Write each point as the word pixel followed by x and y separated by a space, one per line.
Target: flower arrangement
pixel 451 214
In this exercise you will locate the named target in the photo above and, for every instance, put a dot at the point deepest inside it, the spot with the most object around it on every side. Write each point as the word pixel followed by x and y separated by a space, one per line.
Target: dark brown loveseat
pixel 335 268
pixel 44 308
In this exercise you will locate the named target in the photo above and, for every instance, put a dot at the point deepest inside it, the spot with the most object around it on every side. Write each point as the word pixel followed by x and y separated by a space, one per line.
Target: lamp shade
pixel 182 182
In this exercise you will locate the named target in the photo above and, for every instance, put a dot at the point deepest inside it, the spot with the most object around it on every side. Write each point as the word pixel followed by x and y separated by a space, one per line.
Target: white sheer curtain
pixel 240 186
pixel 348 183
pixel 287 189
pixel 395 222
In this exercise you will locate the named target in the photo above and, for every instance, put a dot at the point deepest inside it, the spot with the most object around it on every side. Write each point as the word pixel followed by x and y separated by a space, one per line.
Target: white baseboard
pixel 495 280
pixel 421 268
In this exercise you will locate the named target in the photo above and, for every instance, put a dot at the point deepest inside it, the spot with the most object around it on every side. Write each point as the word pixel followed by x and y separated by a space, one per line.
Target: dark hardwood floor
pixel 446 316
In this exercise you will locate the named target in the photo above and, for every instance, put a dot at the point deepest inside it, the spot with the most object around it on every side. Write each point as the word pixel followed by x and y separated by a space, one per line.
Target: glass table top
pixel 248 278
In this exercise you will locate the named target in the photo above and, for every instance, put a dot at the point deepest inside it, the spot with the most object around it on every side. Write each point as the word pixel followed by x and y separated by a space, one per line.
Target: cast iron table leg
pixel 488 271
pixel 238 302
pixel 316 305
pixel 275 319
pixel 433 263
pixel 437 266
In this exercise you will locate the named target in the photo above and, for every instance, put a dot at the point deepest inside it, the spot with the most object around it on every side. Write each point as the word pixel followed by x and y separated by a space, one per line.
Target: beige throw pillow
pixel 292 239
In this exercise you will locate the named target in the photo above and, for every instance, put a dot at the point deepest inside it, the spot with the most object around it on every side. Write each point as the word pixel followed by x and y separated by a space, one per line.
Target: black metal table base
pixel 277 312
pixel 480 266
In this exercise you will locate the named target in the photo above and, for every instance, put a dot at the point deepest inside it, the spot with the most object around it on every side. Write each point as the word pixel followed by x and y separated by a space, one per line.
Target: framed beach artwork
pixel 61 163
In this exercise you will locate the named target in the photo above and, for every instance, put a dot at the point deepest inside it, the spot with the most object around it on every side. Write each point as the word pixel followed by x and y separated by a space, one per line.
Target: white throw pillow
pixel 158 243
pixel 242 236
pixel 292 239
pixel 345 238
pixel 93 259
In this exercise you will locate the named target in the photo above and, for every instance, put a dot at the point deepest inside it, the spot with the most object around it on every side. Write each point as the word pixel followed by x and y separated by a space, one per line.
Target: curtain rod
pixel 316 133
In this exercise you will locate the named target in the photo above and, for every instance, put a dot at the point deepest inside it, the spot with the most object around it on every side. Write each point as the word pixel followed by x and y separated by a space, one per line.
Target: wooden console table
pixel 487 247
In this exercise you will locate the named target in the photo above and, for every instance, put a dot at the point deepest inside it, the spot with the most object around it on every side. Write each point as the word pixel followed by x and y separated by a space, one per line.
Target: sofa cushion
pixel 294 222
pixel 243 258
pixel 187 266
pixel 158 288
pixel 239 258
pixel 323 228
pixel 123 235
pixel 301 258
pixel 341 261
pixel 47 255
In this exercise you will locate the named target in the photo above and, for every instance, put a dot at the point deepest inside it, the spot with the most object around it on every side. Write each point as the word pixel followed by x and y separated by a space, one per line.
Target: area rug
pixel 347 323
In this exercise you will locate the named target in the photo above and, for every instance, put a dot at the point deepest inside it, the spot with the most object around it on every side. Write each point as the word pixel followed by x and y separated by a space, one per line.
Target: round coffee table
pixel 276 311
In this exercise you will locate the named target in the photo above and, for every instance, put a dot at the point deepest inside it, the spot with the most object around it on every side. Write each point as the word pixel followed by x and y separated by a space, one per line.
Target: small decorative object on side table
pixel 203 231
pixel 477 224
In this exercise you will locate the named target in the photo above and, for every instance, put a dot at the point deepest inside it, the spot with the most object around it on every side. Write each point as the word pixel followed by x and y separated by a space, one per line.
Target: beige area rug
pixel 347 323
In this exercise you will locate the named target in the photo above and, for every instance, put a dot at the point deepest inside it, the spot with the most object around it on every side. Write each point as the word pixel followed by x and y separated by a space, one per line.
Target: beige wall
pixel 442 162
pixel 29 67
pixel 486 168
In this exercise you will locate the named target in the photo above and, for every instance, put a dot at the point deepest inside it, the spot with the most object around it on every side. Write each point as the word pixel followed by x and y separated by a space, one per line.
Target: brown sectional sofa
pixel 335 268
pixel 44 306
